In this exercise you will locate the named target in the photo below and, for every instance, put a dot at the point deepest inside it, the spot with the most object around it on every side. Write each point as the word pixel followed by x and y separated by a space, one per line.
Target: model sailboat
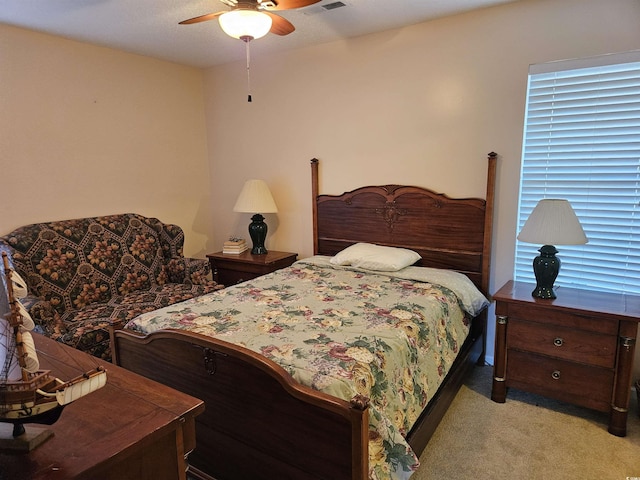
pixel 27 393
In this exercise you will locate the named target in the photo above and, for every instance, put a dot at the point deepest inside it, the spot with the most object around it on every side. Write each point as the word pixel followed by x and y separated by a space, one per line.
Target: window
pixel 582 143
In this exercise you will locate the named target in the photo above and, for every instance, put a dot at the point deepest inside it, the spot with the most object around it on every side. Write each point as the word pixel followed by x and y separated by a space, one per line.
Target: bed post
pixel 314 202
pixel 486 247
pixel 488 221
pixel 359 409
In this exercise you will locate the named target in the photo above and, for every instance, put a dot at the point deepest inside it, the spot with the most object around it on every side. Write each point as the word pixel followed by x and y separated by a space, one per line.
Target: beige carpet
pixel 528 437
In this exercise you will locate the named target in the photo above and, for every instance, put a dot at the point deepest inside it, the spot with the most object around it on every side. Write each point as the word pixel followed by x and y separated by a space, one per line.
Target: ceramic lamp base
pixel 545 267
pixel 258 234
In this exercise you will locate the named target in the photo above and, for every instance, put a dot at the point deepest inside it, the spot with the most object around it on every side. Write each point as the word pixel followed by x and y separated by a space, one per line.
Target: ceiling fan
pixel 251 19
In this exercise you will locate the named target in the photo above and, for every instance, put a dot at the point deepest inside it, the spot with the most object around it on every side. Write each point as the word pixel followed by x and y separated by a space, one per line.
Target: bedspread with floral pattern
pixel 343 332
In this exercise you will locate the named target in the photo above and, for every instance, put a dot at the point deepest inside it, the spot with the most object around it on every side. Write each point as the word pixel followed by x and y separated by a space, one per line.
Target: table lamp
pixel 256 198
pixel 552 221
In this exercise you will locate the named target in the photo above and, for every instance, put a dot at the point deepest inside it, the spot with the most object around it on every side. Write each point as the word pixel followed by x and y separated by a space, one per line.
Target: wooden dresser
pixel 132 428
pixel 577 348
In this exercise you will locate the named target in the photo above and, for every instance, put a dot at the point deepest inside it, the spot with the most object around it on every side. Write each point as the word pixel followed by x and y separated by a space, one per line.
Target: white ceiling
pixel 150 27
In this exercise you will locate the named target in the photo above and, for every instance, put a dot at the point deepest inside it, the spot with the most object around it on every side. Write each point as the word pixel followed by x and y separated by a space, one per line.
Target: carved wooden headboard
pixel 450 233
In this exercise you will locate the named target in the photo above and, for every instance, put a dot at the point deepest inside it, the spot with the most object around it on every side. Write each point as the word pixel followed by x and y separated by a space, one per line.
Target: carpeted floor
pixel 528 437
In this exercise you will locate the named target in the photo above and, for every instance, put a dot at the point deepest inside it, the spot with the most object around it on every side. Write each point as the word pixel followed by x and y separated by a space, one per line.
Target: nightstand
pixel 577 348
pixel 230 269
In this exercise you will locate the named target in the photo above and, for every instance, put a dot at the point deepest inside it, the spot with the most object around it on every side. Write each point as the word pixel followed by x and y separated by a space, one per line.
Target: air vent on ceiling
pixel 332 5
pixel 314 9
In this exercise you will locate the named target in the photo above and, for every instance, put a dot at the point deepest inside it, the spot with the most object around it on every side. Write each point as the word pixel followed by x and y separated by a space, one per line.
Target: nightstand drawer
pixel 566 343
pixel 556 316
pixel 567 381
pixel 232 277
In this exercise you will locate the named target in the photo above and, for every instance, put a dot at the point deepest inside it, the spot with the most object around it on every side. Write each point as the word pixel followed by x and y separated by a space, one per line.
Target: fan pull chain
pixel 246 40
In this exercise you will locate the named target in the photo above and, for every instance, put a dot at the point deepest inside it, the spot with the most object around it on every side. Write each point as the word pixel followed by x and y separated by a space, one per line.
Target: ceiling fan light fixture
pixel 240 23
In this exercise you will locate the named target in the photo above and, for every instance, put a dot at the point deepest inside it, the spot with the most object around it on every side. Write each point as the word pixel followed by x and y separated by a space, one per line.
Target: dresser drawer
pixel 571 382
pixel 566 343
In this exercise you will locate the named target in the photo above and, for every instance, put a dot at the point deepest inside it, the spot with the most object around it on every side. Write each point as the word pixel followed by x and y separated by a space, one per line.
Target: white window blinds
pixel 582 143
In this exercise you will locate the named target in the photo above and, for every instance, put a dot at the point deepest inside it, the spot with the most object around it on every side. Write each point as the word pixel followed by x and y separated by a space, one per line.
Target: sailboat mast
pixel 15 318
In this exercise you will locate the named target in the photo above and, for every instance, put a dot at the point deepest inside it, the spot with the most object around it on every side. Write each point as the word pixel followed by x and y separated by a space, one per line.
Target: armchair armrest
pixel 193 271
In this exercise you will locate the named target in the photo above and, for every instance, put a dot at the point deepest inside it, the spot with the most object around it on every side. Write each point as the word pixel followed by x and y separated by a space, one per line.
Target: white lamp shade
pixel 553 222
pixel 255 197
pixel 245 23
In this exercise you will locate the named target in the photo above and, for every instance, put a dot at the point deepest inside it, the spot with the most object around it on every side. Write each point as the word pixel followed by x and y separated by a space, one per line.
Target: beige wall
pixel 87 131
pixel 420 105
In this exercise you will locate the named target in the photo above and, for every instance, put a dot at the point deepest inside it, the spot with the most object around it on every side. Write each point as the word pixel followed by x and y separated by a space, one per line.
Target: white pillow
pixel 376 257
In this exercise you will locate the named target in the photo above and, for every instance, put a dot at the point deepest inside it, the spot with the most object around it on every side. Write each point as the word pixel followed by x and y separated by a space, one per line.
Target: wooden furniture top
pixel 614 305
pixel 129 410
pixel 270 257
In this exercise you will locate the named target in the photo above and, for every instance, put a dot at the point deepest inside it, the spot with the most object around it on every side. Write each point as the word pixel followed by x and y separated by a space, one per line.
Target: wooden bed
pixel 261 424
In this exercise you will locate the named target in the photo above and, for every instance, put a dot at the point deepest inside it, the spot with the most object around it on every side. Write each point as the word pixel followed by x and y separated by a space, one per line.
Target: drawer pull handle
pixel 558 341
pixel 556 375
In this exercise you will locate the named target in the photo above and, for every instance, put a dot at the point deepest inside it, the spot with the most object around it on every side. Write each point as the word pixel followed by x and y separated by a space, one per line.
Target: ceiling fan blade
pixel 290 4
pixel 202 18
pixel 280 25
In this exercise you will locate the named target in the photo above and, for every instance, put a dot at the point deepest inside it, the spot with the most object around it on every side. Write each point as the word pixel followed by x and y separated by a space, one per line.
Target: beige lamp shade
pixel 255 197
pixel 553 222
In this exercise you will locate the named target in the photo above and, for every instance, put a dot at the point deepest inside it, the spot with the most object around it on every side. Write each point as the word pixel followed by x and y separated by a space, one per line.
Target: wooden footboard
pixel 258 422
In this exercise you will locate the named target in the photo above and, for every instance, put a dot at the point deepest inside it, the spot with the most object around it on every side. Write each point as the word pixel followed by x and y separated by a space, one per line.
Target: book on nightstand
pixel 235 246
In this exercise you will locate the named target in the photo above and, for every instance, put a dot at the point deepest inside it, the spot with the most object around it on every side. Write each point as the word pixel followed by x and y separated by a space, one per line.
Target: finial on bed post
pixel 314 202
pixel 360 402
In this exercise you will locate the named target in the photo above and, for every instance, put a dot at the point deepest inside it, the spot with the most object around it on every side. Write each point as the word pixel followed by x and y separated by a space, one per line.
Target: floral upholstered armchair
pixel 90 274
